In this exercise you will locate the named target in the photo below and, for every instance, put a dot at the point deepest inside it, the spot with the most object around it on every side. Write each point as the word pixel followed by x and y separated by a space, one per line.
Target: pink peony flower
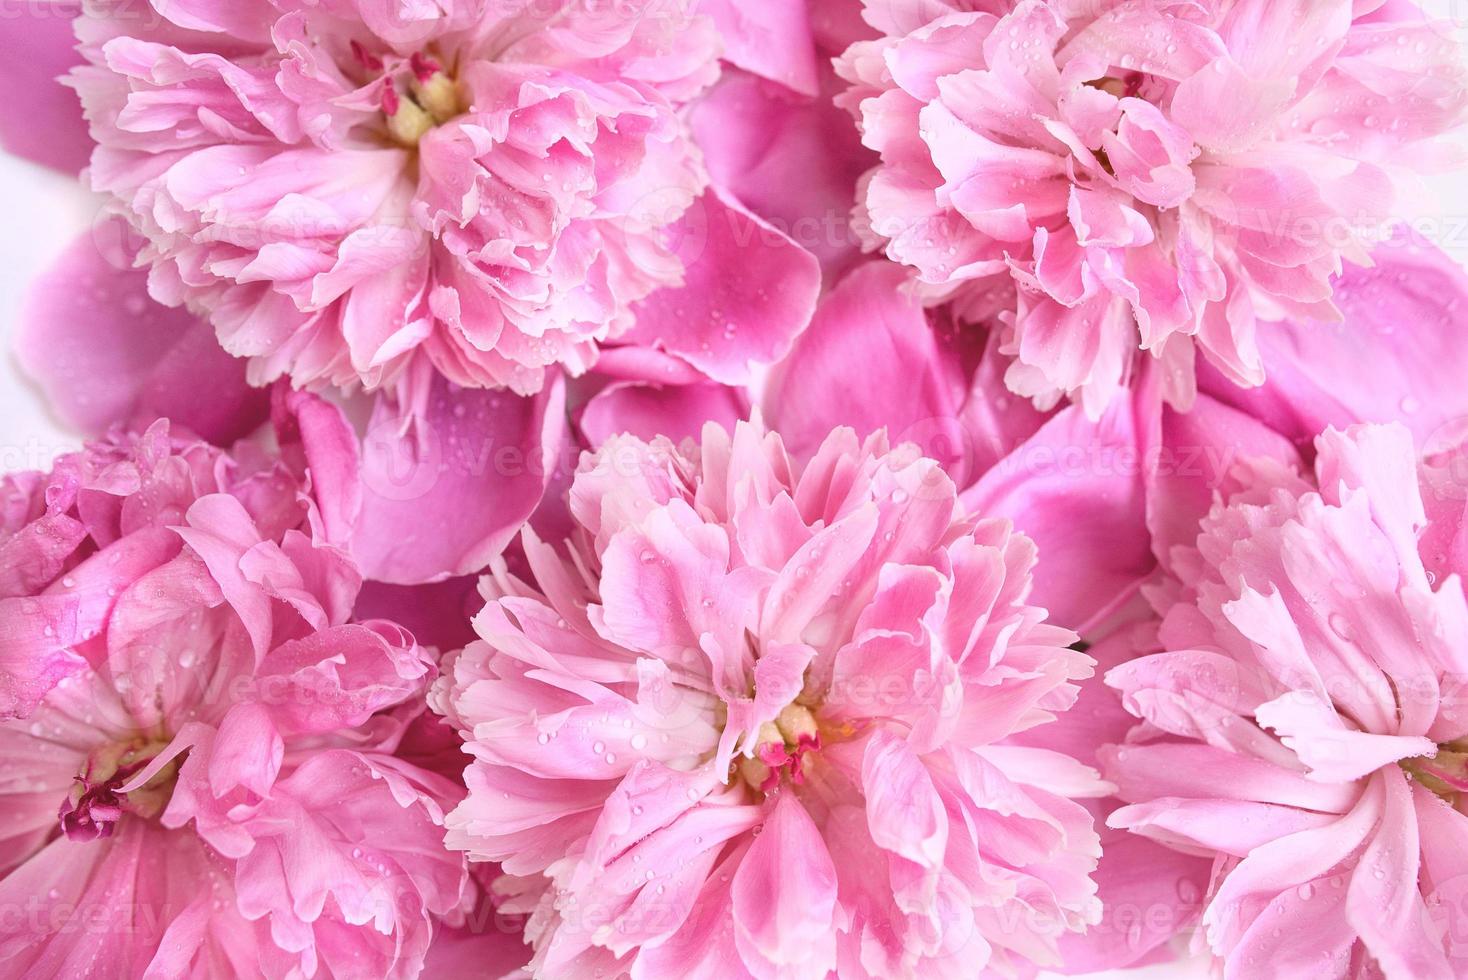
pixel 1304 728
pixel 74 539
pixel 752 720
pixel 1153 175
pixel 206 784
pixel 359 193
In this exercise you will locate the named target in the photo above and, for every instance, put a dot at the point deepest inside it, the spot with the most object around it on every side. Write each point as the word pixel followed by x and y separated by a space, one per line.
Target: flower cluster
pixel 758 489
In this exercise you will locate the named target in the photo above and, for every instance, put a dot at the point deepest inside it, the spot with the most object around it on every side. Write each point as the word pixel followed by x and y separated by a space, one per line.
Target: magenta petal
pixel 442 494
pixel 316 438
pixel 40 119
pixel 103 352
pixel 768 37
pixel 29 668
pixel 1076 488
pixel 794 161
pixel 869 328
pixel 646 411
pixel 437 614
pixel 44 637
pixel 1397 354
pixel 917 379
pixel 483 947
pixel 748 292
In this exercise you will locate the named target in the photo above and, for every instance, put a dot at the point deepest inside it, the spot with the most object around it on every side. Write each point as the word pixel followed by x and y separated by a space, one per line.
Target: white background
pixel 41 212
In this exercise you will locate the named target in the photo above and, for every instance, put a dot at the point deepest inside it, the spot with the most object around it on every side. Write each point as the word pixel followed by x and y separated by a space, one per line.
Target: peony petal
pixel 1189 461
pixel 792 160
pixel 771 38
pixel 725 323
pixel 43 122
pixel 784 894
pixel 646 411
pixel 1076 487
pixel 1317 376
pixel 445 493
pixel 1384 904
pixel 869 327
pixel 315 438
pixel 104 352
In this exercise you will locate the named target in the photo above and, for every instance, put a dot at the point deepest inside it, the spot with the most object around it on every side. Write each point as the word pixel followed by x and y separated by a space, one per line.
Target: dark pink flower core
pixel 102 794
pixel 784 747
pixel 417 95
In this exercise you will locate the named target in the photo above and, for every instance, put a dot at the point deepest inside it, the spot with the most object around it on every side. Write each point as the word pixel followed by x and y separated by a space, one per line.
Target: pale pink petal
pixel 1384 903
pixel 769 690
pixel 484 197
pixel 1124 168
pixel 784 895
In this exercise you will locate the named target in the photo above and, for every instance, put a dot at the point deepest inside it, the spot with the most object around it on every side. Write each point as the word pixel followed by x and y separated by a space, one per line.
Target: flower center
pixel 97 801
pixel 416 100
pixel 1445 773
pixel 1120 88
pixel 782 747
